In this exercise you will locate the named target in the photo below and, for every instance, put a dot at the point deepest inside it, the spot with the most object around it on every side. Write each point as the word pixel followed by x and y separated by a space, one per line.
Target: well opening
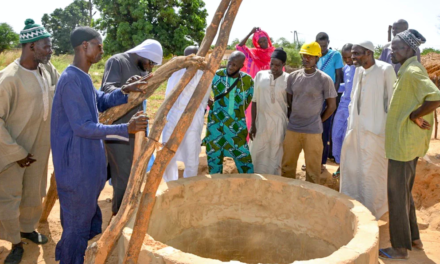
pixel 257 219
pixel 249 243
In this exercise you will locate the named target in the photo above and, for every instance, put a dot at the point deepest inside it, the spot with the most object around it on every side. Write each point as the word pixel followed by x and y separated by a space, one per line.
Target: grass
pixel 96 72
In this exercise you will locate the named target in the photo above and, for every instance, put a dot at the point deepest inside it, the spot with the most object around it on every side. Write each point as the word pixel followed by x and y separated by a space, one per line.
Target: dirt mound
pixel 431 62
pixel 426 191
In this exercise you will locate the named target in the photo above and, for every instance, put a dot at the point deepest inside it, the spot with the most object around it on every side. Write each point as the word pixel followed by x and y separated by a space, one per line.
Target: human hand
pixel 422 123
pixel 255 29
pixel 134 78
pixel 210 103
pixel 133 84
pixel 138 122
pixel 253 132
pixel 26 162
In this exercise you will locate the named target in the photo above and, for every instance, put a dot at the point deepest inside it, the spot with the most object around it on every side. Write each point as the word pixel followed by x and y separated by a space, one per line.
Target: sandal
pixel 389 257
pixel 35 237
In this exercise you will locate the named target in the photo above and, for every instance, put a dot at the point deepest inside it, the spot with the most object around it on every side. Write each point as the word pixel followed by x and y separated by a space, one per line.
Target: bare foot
pixel 393 253
pixel 417 244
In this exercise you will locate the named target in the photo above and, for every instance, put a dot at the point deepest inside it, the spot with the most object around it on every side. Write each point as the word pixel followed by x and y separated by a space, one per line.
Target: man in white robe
pixel 269 116
pixel 189 150
pixel 27 88
pixel 363 161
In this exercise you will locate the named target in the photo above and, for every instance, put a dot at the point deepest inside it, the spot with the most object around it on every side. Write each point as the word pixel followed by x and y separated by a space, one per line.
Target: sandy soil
pixel 426 192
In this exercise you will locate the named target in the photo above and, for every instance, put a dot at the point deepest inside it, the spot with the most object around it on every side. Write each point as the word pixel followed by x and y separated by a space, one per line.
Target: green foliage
pixel 292 50
pixel 293 57
pixel 377 51
pixel 429 50
pixel 62 21
pixel 233 44
pixel 249 43
pixel 174 23
pixel 8 38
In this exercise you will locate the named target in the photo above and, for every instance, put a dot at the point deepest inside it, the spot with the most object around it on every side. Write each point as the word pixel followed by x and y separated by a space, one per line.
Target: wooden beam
pixel 49 201
pixel 166 154
pixel 98 252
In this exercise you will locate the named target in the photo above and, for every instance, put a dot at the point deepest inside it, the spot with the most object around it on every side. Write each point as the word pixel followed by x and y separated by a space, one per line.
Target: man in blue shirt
pixel 330 63
pixel 77 144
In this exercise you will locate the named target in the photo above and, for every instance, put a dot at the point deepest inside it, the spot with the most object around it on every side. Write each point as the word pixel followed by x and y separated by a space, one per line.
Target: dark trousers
pixel 402 212
pixel 327 138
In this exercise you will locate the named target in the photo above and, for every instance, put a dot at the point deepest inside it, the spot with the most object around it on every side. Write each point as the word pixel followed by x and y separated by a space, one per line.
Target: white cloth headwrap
pixel 149 49
pixel 366 44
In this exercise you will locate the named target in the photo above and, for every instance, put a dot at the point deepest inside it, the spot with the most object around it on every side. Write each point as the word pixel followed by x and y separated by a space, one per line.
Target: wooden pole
pixel 99 252
pixel 49 201
pixel 165 155
pixel 390 28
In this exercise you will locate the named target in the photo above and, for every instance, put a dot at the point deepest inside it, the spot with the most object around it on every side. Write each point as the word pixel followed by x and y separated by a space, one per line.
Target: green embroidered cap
pixel 32 32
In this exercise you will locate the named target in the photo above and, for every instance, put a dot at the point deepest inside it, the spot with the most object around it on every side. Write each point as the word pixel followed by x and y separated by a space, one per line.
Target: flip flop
pixel 389 257
pixel 35 237
pixel 336 174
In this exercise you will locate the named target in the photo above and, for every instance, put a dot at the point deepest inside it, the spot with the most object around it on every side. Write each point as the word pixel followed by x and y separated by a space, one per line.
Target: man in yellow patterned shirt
pixel 407 135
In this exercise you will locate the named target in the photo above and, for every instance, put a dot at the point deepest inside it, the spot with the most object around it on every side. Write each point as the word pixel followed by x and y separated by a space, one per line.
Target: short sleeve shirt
pixel 404 140
pixel 330 63
pixel 308 95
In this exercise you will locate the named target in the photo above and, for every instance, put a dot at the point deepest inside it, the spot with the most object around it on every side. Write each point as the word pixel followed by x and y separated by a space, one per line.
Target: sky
pixel 344 21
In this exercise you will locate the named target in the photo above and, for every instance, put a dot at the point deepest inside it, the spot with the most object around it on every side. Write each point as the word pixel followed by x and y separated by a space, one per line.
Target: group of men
pixel 260 116
pixel 373 116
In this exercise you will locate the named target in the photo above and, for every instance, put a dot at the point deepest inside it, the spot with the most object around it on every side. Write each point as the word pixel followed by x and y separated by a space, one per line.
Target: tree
pixel 62 21
pixel 233 44
pixel 174 23
pixel 377 51
pixel 8 38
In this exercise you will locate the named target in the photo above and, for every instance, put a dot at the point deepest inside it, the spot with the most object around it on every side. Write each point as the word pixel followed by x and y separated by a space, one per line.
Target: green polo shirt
pixel 404 140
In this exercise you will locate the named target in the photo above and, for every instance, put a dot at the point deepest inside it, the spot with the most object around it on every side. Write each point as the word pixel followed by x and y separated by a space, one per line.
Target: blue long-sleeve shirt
pixel 79 157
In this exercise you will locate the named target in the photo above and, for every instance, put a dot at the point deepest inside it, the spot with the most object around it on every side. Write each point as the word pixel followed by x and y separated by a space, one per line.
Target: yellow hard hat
pixel 312 49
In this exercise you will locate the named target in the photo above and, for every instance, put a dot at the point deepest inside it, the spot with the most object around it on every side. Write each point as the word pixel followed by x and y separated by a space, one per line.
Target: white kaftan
pixel 271 122
pixel 189 150
pixel 25 113
pixel 363 161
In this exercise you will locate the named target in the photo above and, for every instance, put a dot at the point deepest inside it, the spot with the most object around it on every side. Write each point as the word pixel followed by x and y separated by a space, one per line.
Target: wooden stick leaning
pixel 99 252
pixel 51 198
pixel 166 154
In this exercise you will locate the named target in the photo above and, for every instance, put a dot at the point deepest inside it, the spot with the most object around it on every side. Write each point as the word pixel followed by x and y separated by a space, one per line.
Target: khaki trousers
pixel 294 143
pixel 21 193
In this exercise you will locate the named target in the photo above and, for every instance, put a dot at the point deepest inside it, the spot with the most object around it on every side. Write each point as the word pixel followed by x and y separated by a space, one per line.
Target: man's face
pixel 94 50
pixel 359 55
pixel 263 42
pixel 346 56
pixel 397 28
pixel 145 65
pixel 276 66
pixel 324 45
pixel 42 50
pixel 400 51
pixel 234 65
pixel 309 61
